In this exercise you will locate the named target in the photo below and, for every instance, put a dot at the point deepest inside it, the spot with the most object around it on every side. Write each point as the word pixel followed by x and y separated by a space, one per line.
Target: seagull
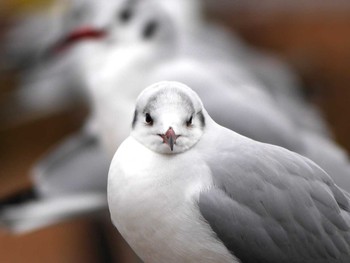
pixel 182 188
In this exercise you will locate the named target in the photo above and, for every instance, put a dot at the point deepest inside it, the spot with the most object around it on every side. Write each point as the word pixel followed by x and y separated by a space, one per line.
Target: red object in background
pixel 79 34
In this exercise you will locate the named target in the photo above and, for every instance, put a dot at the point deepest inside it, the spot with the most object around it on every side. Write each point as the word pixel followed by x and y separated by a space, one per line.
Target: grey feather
pixel 67 186
pixel 271 205
pixel 49 211
pixel 73 167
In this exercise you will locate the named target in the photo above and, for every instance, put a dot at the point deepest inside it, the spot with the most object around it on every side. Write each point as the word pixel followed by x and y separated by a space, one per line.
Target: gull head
pixel 169 118
pixel 144 23
pixel 115 23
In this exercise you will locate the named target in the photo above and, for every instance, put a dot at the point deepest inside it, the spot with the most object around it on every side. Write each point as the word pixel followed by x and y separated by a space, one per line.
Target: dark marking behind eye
pixel 150 29
pixel 201 118
pixel 134 119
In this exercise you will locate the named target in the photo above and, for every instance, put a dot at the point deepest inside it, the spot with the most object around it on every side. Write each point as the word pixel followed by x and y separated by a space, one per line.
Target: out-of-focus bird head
pixel 169 118
pixel 122 22
pixel 145 24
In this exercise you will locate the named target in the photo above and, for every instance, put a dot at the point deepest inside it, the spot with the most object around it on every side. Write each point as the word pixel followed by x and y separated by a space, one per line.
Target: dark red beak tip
pixel 78 35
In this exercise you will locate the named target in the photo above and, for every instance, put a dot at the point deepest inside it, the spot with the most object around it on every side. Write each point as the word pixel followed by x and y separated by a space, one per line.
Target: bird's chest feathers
pixel 156 201
pixel 159 188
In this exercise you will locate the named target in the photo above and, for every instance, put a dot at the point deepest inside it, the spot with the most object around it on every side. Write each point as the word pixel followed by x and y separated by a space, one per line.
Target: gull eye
pixel 189 122
pixel 148 119
pixel 125 15
pixel 150 29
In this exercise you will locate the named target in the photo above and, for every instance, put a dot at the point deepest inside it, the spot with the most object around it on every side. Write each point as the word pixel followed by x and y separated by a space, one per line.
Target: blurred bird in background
pixel 104 53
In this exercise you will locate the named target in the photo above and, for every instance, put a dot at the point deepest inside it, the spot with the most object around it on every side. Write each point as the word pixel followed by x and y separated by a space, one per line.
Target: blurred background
pixel 311 36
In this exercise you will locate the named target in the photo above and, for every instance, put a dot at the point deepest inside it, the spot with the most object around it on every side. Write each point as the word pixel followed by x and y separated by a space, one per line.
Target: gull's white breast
pixel 153 203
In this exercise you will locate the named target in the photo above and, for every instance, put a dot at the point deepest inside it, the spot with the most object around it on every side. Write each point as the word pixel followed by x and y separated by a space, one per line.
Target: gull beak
pixel 170 138
pixel 76 35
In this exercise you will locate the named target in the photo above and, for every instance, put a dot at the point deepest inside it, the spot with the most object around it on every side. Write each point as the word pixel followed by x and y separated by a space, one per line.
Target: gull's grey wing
pixel 333 159
pixel 79 164
pixel 271 205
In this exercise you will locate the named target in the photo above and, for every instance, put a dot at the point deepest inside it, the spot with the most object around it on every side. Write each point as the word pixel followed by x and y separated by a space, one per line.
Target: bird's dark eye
pixel 125 15
pixel 189 122
pixel 148 119
pixel 150 29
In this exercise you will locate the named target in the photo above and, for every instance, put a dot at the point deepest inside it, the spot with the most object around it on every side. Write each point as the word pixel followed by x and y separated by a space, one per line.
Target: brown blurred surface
pixel 317 44
pixel 20 6
pixel 22 145
pixel 67 242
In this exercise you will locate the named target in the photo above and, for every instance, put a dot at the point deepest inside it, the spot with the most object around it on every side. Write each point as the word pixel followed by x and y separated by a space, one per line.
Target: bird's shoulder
pixel 240 156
